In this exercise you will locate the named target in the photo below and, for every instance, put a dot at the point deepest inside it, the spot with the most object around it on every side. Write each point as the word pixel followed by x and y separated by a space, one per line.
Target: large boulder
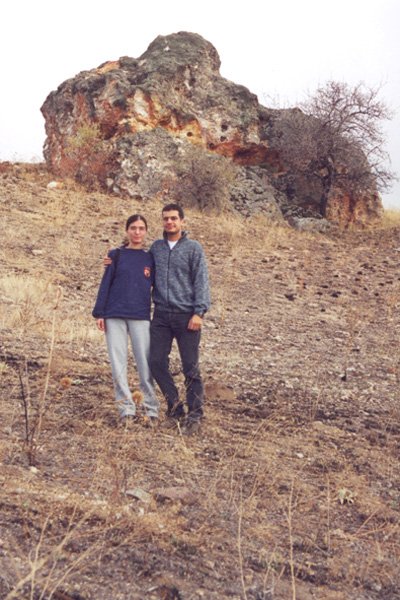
pixel 128 125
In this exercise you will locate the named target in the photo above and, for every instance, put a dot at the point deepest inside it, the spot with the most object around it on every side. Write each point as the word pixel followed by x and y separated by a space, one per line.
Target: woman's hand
pixel 101 324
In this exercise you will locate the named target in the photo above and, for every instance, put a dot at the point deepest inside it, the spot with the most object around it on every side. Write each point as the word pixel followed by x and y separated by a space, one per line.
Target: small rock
pixel 339 533
pixel 139 494
pixel 183 494
pixel 55 185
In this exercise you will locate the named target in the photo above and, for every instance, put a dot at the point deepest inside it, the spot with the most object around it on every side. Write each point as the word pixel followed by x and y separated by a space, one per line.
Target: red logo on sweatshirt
pixel 147 271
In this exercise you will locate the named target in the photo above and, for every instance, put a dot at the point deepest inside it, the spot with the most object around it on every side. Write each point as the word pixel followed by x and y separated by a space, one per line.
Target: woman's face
pixel 136 232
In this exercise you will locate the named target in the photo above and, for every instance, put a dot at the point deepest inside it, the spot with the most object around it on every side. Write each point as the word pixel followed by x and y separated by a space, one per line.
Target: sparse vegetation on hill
pixel 292 489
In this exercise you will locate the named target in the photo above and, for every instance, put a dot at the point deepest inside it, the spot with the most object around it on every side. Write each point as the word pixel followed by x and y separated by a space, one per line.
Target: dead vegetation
pixel 292 489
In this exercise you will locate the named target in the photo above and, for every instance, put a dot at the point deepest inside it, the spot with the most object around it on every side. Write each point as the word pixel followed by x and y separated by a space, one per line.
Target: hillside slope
pixel 292 489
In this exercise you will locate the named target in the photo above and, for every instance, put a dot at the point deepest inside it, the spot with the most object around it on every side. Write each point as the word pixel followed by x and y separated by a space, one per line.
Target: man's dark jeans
pixel 166 326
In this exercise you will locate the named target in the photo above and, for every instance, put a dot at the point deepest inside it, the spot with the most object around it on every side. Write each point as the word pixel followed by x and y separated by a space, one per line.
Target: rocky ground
pixel 292 488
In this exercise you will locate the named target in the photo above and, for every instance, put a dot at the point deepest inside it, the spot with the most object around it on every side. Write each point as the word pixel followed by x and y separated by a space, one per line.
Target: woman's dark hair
pixel 134 218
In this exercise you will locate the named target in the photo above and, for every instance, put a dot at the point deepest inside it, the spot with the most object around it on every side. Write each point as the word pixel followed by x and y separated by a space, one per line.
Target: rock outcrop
pixel 128 124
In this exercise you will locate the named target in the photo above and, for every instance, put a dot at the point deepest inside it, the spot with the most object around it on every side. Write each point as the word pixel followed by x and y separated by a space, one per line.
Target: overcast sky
pixel 281 50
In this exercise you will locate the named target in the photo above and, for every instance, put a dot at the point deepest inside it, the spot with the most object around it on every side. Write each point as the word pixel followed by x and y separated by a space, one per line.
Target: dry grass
pixel 391 218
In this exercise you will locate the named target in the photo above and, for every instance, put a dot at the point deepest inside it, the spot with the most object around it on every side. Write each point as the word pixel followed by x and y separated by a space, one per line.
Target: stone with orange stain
pixel 354 210
pixel 108 66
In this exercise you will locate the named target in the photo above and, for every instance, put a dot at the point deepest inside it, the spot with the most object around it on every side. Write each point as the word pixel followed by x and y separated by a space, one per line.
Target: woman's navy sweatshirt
pixel 125 289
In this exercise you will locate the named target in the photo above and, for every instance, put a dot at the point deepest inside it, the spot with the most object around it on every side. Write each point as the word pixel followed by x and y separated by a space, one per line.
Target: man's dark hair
pixel 134 218
pixel 173 206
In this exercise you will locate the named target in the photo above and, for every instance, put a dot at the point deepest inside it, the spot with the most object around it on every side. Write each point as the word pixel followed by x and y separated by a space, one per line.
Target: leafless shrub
pixel 88 159
pixel 34 410
pixel 203 180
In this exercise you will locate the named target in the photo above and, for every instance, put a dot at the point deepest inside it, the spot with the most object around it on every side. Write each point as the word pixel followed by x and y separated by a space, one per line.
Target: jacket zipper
pixel 169 258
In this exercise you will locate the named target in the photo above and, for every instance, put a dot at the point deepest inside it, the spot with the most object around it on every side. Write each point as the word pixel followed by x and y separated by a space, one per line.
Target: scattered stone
pixel 311 224
pixel 182 494
pixel 219 391
pixel 346 496
pixel 55 185
pixel 139 494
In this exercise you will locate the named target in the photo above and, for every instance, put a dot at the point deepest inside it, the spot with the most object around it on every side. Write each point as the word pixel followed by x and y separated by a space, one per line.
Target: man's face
pixel 172 222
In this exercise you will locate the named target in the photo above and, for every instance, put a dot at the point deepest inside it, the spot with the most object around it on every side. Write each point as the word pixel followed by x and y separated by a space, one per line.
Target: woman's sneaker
pixel 150 422
pixel 129 422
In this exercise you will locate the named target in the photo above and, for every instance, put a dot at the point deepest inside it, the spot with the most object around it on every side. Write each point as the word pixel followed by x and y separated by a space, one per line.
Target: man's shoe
pixel 173 422
pixel 176 412
pixel 192 426
pixel 174 418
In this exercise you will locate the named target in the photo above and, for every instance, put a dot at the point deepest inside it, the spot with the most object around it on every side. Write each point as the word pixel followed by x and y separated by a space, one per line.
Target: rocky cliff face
pixel 130 123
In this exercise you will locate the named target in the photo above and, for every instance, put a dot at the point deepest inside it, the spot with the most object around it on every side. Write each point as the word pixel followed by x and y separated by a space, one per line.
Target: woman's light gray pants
pixel 117 333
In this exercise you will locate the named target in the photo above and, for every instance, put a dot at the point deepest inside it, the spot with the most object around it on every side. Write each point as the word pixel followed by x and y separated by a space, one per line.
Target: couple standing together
pixel 174 271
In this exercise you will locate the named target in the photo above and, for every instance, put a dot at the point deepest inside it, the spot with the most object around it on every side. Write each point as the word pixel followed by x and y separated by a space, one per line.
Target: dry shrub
pixel 204 180
pixel 88 159
pixel 391 219
pixel 30 300
pixel 265 233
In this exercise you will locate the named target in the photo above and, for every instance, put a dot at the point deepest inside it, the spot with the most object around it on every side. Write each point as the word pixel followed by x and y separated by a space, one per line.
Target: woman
pixel 122 310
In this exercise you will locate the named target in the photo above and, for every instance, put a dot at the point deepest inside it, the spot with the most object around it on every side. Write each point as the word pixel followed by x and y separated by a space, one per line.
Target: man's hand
pixel 107 261
pixel 195 323
pixel 101 324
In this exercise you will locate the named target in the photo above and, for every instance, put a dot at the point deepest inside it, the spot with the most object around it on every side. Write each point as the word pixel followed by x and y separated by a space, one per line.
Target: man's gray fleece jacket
pixel 181 276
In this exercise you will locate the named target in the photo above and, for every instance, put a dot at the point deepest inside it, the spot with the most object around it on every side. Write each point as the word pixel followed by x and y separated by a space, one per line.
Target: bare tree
pixel 337 138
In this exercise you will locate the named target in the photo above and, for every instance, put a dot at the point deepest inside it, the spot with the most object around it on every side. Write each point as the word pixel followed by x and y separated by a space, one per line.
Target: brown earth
pixel 292 488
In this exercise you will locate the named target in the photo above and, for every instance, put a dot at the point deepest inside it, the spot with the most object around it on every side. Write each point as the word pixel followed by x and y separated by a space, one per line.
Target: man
pixel 181 298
